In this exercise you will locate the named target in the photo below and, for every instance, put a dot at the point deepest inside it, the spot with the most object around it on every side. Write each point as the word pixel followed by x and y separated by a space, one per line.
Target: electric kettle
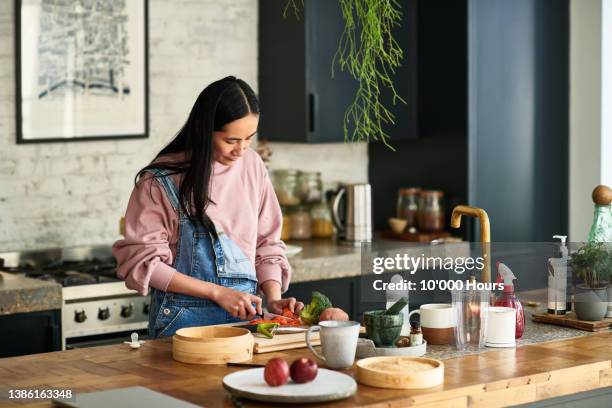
pixel 352 213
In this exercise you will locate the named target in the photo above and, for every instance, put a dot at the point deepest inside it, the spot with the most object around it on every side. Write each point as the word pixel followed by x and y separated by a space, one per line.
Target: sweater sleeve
pixel 144 257
pixel 270 260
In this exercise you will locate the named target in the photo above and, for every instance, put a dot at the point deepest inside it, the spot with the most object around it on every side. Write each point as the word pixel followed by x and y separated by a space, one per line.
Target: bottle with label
pixel 416 335
pixel 557 280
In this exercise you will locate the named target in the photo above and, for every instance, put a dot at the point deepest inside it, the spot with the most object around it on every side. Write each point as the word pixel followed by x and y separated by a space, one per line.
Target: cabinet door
pixel 29 333
pixel 282 74
pixel 328 97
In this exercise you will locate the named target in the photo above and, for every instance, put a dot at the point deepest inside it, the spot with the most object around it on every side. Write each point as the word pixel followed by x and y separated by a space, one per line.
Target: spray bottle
pixel 508 297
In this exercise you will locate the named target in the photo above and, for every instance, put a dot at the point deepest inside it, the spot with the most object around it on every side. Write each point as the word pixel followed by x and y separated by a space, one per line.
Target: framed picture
pixel 81 69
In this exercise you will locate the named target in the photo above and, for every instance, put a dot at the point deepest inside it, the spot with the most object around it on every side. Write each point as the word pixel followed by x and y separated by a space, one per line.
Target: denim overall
pixel 208 255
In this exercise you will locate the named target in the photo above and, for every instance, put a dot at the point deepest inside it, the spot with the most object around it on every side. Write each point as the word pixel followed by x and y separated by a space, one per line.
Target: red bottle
pixel 509 299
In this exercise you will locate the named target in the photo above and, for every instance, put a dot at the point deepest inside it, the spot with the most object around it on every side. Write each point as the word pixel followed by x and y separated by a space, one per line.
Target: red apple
pixel 303 370
pixel 276 372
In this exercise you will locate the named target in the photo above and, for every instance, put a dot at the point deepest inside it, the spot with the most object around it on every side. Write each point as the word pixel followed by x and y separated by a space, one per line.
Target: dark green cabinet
pixel 342 292
pixel 301 102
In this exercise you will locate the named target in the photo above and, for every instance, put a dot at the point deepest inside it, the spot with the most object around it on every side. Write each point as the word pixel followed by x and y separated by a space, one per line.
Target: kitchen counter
pixel 19 294
pixel 496 378
pixel 322 259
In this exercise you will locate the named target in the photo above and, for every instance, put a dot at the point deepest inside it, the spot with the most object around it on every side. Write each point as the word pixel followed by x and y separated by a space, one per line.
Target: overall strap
pixel 162 177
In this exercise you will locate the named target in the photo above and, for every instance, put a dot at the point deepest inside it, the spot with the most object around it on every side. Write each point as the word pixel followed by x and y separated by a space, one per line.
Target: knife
pixel 279 330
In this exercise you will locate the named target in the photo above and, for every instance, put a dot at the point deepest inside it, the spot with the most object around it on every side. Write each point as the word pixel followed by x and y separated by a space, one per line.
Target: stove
pixel 97 307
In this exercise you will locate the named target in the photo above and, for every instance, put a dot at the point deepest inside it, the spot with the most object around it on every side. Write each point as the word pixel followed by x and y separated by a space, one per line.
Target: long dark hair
pixel 220 103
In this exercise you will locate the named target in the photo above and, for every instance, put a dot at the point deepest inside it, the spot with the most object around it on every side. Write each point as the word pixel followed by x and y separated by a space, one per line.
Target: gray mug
pixel 338 342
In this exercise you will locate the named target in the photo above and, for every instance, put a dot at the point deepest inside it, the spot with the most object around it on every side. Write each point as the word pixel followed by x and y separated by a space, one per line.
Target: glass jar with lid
pixel 301 223
pixel 285 185
pixel 322 225
pixel 430 216
pixel 310 188
pixel 408 206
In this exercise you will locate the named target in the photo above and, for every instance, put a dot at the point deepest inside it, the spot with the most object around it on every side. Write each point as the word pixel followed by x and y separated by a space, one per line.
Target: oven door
pixel 104 339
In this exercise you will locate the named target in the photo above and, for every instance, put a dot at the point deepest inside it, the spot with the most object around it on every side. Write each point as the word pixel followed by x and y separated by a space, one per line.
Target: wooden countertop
pixel 497 378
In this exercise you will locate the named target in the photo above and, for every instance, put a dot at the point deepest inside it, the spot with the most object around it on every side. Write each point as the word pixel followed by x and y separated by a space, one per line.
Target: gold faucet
pixel 485 233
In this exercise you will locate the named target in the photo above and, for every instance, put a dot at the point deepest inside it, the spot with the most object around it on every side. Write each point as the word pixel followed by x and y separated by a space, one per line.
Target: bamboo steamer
pixel 212 345
pixel 415 375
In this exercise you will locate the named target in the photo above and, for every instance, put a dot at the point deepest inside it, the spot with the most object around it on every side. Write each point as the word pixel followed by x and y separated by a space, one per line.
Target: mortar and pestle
pixel 384 327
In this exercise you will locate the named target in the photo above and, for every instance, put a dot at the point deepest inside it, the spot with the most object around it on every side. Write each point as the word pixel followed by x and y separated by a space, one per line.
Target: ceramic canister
pixel 501 325
pixel 438 322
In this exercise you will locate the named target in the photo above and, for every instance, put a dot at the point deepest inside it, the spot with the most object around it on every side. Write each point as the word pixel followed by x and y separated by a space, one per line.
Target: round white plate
pixel 292 250
pixel 327 386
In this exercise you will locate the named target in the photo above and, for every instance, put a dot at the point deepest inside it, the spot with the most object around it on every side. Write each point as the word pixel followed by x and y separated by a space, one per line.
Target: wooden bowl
pixel 397 225
pixel 212 345
pixel 400 372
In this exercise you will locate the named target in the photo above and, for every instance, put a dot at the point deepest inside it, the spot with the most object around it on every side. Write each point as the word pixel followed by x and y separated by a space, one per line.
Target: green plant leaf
pixel 370 54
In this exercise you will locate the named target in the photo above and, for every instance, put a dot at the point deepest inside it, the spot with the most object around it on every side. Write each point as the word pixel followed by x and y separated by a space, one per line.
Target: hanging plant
pixel 370 54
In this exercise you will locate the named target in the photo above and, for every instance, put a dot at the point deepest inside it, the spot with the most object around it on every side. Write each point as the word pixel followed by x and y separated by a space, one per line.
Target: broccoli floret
pixel 318 303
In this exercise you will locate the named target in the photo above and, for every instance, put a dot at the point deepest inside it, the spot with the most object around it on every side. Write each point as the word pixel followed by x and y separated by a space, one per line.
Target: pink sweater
pixel 245 208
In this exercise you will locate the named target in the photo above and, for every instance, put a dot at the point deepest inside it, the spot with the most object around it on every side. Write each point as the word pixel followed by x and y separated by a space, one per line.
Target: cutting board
pixel 284 342
pixel 570 320
pixel 287 341
pixel 280 341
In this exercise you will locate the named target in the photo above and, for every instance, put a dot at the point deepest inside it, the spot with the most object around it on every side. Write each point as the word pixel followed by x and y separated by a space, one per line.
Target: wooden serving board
pixel 570 320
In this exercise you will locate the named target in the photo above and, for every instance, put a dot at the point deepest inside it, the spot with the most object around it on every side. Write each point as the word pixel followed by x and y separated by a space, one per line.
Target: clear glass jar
pixel 322 225
pixel 408 206
pixel 286 229
pixel 301 223
pixel 431 211
pixel 310 188
pixel 285 185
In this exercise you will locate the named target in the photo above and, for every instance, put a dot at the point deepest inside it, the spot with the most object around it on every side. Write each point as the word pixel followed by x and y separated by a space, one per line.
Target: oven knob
pixel 145 309
pixel 127 311
pixel 103 314
pixel 80 317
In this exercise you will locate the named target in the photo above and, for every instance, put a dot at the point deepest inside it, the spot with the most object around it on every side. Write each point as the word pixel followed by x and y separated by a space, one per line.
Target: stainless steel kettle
pixel 353 214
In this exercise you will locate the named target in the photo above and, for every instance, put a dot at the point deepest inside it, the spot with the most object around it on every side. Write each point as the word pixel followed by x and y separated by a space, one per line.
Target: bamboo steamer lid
pixel 212 345
pixel 602 195
pixel 400 372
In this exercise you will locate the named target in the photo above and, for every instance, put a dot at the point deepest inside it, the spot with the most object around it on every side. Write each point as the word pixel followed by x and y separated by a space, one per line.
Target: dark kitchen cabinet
pixel 29 333
pixel 493 117
pixel 342 292
pixel 301 102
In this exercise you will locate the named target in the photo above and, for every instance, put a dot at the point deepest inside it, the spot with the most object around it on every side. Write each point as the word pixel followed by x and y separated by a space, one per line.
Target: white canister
pixel 501 327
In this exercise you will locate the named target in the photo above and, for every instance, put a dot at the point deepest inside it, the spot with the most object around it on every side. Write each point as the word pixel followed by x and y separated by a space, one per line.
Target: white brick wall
pixel 65 194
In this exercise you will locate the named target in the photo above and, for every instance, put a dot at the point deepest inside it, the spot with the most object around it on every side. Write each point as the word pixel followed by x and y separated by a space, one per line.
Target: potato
pixel 333 313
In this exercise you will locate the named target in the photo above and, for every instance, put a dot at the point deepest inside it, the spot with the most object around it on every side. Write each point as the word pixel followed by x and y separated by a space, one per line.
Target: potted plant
pixel 592 263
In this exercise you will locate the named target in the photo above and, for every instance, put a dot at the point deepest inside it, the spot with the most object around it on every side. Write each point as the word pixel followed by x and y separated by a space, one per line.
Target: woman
pixel 203 224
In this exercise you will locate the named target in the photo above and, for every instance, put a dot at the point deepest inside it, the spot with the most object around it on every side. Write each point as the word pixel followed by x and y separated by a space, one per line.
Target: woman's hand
pixel 277 306
pixel 238 304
